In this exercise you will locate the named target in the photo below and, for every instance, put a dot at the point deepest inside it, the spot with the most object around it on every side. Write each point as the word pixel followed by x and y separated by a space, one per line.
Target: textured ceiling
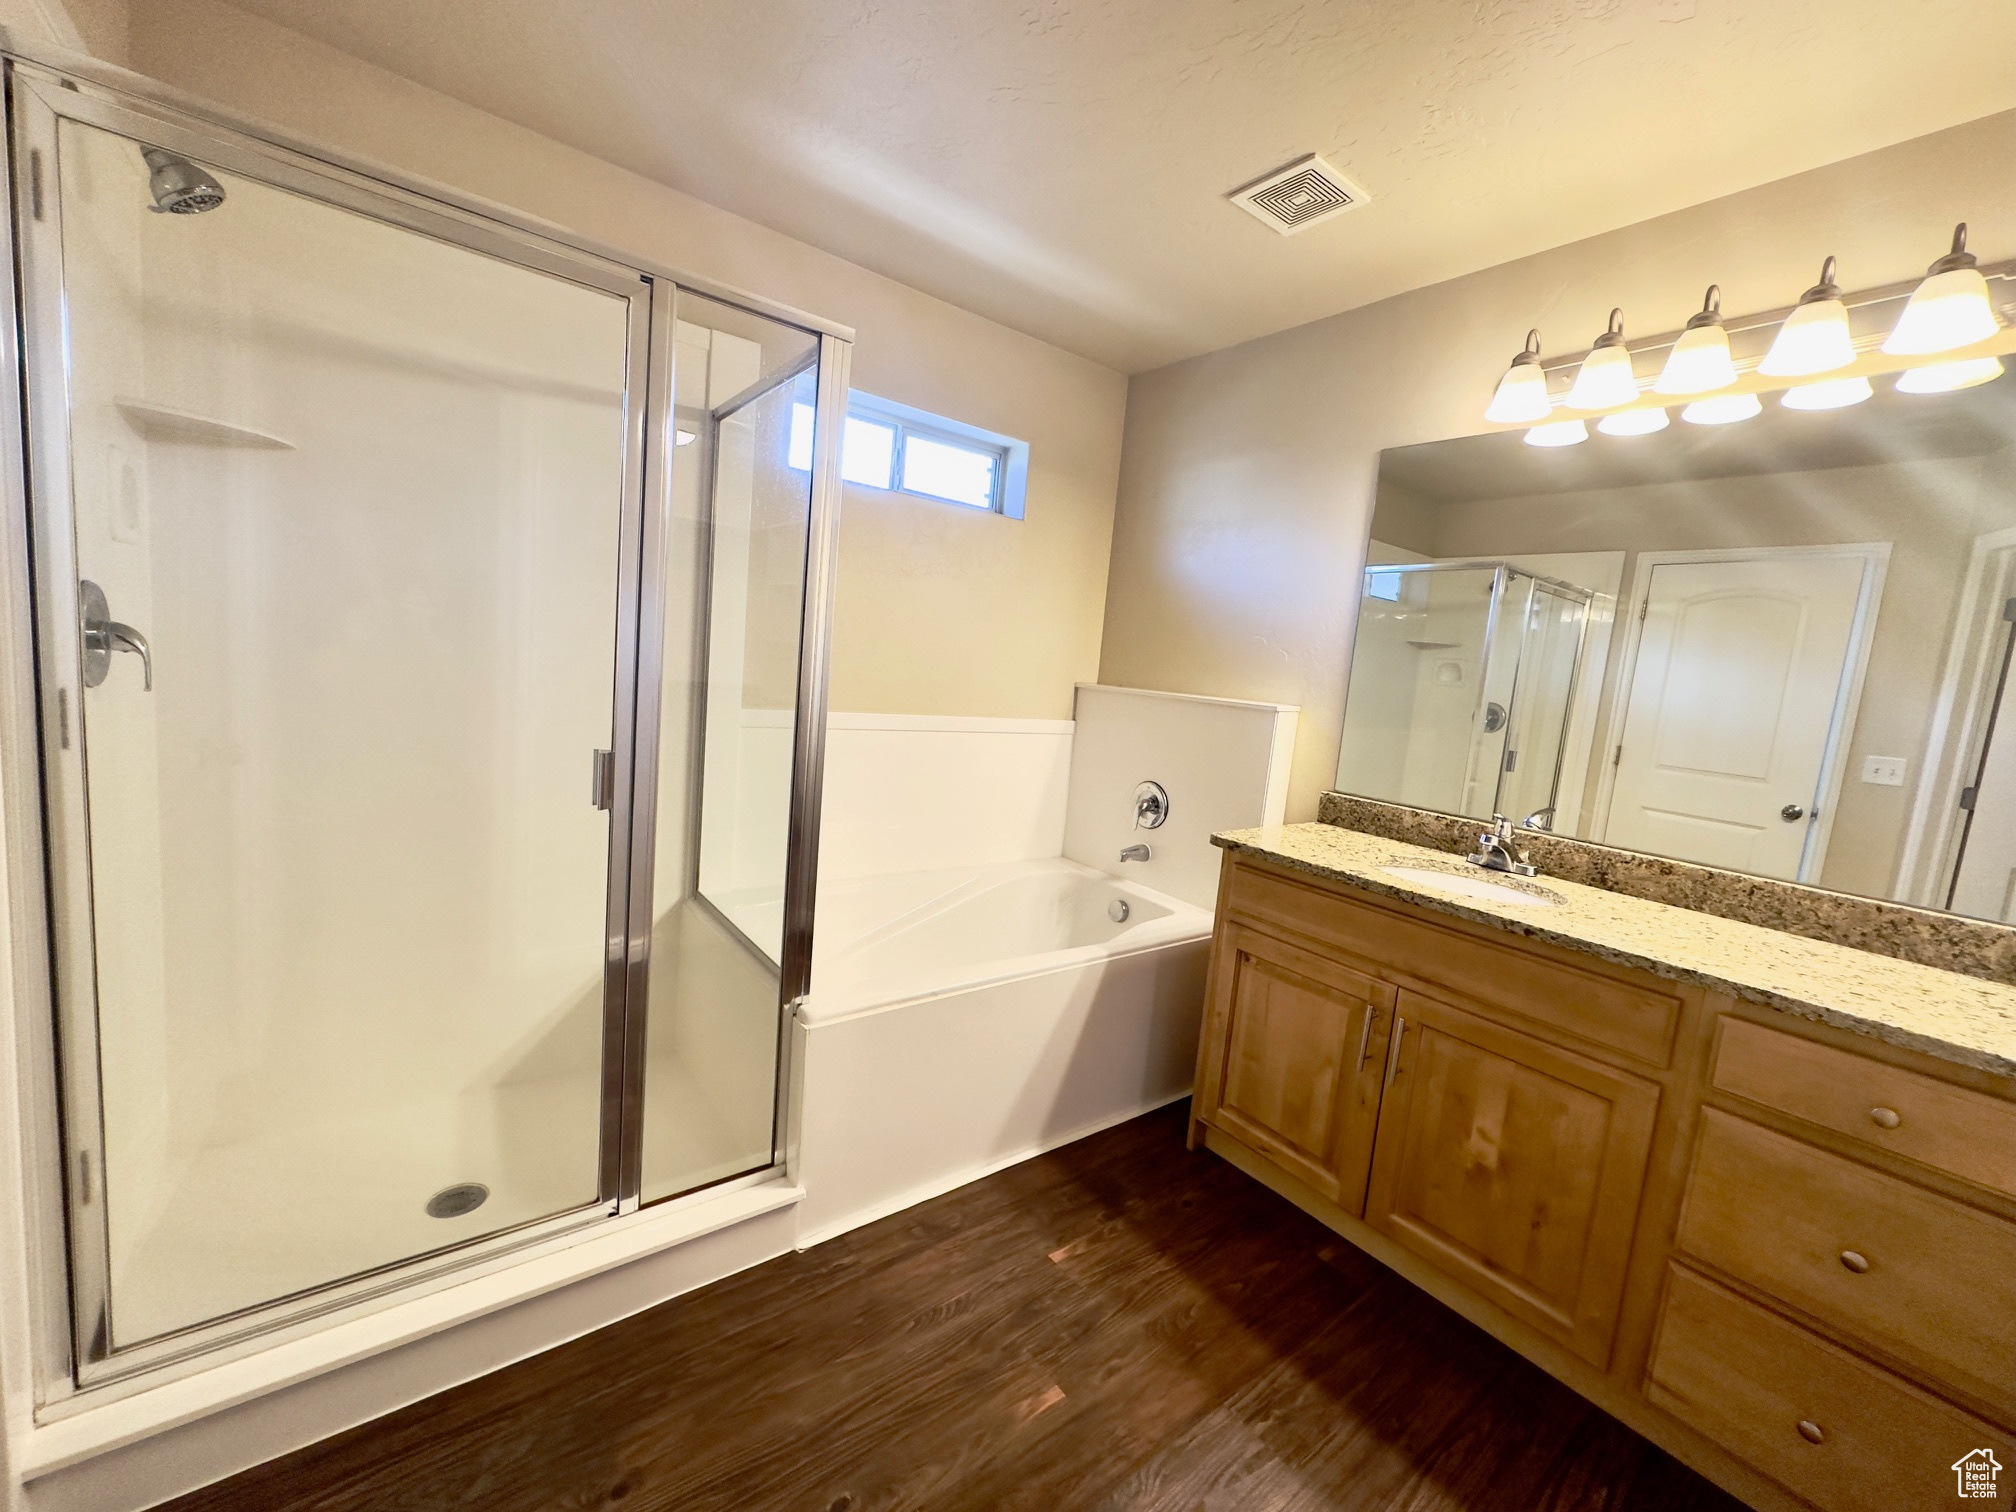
pixel 1060 165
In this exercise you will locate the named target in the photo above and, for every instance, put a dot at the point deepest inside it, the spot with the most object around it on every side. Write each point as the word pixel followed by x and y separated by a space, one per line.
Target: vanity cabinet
pixel 1780 1251
pixel 1512 1165
pixel 1303 1040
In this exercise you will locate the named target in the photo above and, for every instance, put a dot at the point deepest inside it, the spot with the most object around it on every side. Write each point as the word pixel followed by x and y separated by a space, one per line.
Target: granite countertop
pixel 1956 1018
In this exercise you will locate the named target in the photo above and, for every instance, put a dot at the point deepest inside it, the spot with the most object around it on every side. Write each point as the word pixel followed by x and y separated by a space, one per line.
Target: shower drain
pixel 454 1201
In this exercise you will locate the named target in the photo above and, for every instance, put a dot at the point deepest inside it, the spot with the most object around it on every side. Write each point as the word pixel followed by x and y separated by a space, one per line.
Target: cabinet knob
pixel 1811 1432
pixel 1855 1262
pixel 1885 1118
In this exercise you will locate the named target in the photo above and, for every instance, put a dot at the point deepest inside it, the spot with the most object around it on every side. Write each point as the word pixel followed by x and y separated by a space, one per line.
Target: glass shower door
pixel 332 516
pixel 746 390
pixel 1550 654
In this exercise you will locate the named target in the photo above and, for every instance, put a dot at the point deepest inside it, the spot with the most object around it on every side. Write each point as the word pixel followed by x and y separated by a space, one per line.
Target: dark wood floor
pixel 1118 1324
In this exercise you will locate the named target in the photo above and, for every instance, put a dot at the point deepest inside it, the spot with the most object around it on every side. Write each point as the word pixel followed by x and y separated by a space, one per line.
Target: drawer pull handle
pixel 1857 1263
pixel 1811 1432
pixel 1884 1118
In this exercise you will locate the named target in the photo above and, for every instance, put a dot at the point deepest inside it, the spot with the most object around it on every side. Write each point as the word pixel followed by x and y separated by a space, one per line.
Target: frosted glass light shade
pixel 1828 393
pixel 1698 364
pixel 1948 310
pixel 1605 380
pixel 1522 394
pixel 1723 409
pixel 1814 339
pixel 1558 433
pixel 1636 422
pixel 1945 377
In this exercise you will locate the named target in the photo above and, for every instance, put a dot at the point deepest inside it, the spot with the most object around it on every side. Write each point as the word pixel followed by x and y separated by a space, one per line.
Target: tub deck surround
pixel 1930 937
pixel 966 1019
pixel 1962 1019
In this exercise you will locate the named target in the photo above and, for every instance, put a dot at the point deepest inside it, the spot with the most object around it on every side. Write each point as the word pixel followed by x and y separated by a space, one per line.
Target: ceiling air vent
pixel 1305 193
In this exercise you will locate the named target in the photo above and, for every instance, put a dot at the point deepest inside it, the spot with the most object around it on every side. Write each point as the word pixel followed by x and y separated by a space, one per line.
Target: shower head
pixel 179 187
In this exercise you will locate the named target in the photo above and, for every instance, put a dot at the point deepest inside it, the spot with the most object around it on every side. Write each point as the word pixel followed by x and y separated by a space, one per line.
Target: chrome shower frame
pixel 1501 575
pixel 47 876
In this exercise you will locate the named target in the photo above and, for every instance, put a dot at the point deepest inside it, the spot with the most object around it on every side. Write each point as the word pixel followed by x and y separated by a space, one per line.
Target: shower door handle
pixel 102 635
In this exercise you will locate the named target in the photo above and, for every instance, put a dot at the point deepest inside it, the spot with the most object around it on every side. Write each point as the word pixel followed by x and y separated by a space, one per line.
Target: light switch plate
pixel 1884 771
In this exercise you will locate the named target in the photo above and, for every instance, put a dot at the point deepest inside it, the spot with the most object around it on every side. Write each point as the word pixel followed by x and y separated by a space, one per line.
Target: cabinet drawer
pixel 1593 1007
pixel 1750 1379
pixel 1952 1129
pixel 1919 1276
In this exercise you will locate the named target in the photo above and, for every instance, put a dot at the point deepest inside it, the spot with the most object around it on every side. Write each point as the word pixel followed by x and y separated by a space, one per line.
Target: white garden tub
pixel 961 1021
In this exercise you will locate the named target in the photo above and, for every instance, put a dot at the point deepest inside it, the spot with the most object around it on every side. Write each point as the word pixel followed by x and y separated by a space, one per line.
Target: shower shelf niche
pixel 165 422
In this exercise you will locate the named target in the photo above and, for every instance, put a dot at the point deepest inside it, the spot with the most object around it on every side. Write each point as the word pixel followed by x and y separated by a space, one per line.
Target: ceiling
pixel 1061 165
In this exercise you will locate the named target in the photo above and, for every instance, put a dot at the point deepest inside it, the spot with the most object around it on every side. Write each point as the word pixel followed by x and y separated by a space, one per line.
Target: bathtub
pixel 960 1021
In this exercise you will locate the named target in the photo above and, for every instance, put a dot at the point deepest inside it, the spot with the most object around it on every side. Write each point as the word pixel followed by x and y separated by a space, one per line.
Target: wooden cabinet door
pixel 1293 1046
pixel 1514 1166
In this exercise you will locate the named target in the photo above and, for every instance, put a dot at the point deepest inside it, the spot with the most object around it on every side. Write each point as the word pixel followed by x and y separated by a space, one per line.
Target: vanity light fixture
pixel 1699 362
pixel 1558 433
pixel 1522 392
pixel 1828 393
pixel 1723 409
pixel 1605 380
pixel 1814 337
pixel 1945 377
pixel 1949 309
pixel 1633 422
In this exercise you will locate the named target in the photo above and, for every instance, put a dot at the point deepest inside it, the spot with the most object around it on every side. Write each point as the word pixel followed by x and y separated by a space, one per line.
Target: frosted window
pixel 945 471
pixel 867 448
pixel 867 452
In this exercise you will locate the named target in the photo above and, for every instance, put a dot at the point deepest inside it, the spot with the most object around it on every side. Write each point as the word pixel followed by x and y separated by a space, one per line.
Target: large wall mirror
pixel 1780 646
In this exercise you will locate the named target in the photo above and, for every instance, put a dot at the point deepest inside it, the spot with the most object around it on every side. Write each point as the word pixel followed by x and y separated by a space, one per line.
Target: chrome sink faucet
pixel 1498 850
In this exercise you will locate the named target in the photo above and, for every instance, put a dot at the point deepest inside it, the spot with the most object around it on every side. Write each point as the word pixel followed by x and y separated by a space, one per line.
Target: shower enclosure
pixel 1463 682
pixel 420 635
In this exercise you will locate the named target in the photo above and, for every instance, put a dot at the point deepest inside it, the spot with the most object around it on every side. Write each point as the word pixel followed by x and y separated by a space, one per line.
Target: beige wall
pixel 1249 472
pixel 939 610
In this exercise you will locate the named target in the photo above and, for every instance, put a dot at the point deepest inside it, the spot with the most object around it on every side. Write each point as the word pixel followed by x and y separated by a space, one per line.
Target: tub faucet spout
pixel 1136 853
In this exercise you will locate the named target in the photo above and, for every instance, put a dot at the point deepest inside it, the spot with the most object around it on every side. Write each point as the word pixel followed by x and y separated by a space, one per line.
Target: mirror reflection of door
pixel 1984 882
pixel 1745 666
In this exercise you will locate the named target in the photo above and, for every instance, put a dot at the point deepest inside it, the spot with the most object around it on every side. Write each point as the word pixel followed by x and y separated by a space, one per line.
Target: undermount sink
pixel 1477 887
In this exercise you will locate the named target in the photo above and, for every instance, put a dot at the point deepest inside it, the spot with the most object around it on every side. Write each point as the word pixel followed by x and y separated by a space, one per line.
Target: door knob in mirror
pixel 1791 813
